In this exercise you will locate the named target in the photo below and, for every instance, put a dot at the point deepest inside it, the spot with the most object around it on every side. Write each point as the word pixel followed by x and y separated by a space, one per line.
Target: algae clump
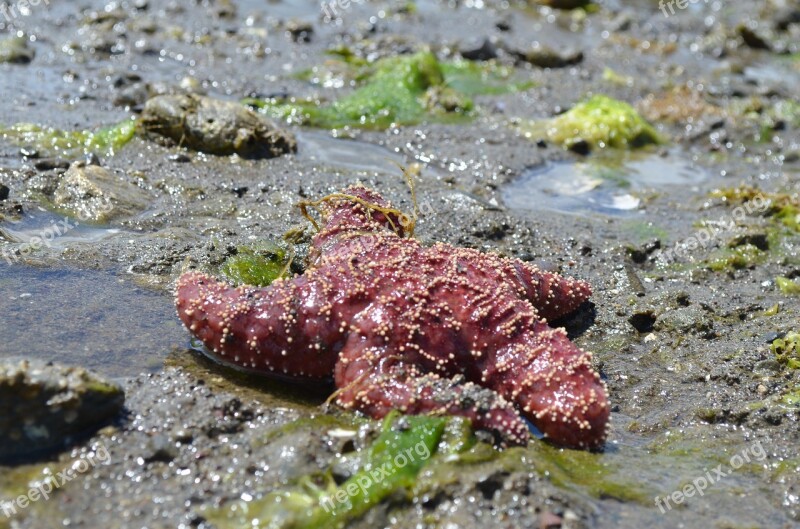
pixel 598 122
pixel 106 140
pixel 787 350
pixel 737 258
pixel 317 502
pixel 260 264
pixel 401 90
pixel 787 286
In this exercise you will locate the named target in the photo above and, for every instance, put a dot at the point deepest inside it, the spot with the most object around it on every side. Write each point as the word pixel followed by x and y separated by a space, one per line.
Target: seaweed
pixel 787 350
pixel 401 90
pixel 598 122
pixel 787 286
pixel 260 264
pixel 390 464
pixel 107 140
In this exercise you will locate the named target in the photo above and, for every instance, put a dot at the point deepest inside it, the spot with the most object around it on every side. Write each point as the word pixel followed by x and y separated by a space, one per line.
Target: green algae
pixel 17 481
pixel 787 286
pixel 401 90
pixel 787 350
pixel 738 258
pixel 389 465
pixel 589 473
pixel 599 122
pixel 791 399
pixel 613 77
pixel 419 454
pixel 260 264
pixel 105 141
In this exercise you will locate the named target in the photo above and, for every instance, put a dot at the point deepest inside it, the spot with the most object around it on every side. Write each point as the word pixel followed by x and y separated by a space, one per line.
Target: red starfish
pixel 421 329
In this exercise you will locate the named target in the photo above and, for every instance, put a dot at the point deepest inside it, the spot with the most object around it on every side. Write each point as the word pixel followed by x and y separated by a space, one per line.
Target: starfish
pixel 438 330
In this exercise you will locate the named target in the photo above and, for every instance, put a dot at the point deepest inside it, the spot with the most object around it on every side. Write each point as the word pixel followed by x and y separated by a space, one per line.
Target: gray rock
pixel 546 57
pixel 484 51
pixel 44 407
pixel 93 193
pixel 682 320
pixel 213 126
pixel 15 50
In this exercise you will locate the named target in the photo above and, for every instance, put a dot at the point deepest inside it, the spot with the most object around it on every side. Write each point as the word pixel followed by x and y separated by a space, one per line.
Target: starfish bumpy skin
pixel 438 330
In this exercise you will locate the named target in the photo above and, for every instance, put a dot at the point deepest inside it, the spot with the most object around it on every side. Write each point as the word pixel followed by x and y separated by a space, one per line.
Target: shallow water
pixel 57 231
pixel 91 319
pixel 611 186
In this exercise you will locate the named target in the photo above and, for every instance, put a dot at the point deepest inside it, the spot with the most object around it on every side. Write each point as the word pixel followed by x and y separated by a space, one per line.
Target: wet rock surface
pixel 15 50
pixel 95 194
pixel 681 331
pixel 215 127
pixel 44 407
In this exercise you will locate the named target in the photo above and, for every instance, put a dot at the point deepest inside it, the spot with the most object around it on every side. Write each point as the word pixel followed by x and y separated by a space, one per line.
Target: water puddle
pixel 40 228
pixel 357 156
pixel 609 184
pixel 86 318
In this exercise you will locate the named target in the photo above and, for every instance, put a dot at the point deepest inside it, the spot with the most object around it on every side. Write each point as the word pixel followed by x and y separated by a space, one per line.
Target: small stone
pixel 483 52
pixel 4 191
pixel 28 152
pixel 44 406
pixel 48 164
pixel 15 50
pixel 93 193
pixel 300 31
pixel 545 57
pixel 179 158
pixel 752 38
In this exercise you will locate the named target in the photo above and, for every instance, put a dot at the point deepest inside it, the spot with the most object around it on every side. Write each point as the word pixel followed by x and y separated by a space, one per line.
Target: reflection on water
pixel 346 154
pixel 613 184
pixel 42 228
pixel 86 318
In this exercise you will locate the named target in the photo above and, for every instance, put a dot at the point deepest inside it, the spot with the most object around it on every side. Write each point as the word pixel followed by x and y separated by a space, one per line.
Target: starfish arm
pixel 552 294
pixel 375 381
pixel 270 330
pixel 552 383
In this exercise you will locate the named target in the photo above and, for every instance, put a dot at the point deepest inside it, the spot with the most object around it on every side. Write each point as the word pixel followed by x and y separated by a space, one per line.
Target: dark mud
pixel 682 340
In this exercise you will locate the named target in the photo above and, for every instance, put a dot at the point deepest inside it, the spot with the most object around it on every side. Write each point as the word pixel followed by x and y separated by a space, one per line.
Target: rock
pixel 299 31
pixel 752 38
pixel 15 50
pixel 49 164
pixel 546 57
pixel 683 320
pixel 215 127
pixel 757 239
pixel 786 16
pixel 44 407
pixel 565 4
pixel 93 193
pixel 483 52
pixel 4 191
